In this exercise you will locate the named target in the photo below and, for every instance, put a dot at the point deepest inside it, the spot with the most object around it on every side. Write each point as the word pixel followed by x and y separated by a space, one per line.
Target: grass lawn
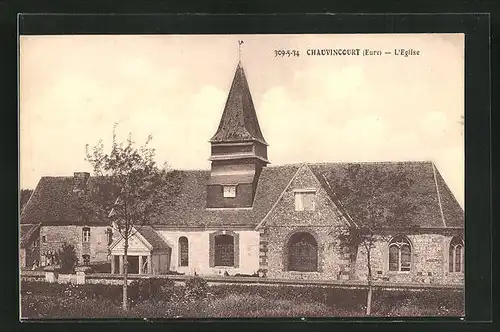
pixel 41 300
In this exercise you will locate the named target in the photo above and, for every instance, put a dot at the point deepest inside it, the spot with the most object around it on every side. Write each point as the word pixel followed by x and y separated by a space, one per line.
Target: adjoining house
pixel 54 216
pixel 245 217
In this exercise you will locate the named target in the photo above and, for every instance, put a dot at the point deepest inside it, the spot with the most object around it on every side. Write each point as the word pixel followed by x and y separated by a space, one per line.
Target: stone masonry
pixel 55 236
pixel 323 224
pixel 429 260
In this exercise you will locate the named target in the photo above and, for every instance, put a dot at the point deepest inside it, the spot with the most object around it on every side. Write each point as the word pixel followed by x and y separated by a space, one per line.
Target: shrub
pixel 101 267
pixel 150 288
pixel 196 289
pixel 167 289
pixel 67 258
pixel 86 269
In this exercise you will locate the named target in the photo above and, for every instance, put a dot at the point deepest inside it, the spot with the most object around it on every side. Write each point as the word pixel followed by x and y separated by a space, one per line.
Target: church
pixel 244 216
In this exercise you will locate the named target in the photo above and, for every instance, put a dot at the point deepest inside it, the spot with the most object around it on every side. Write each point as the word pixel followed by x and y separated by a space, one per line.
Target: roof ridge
pixel 352 162
pixel 285 165
pixel 372 162
pixel 56 177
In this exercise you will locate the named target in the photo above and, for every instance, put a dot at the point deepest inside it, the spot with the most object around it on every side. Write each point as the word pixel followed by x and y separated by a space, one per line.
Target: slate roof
pixel 423 191
pixel 239 120
pixel 54 202
pixel 53 199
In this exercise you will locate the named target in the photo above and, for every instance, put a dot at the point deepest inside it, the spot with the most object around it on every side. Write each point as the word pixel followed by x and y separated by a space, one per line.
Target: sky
pixel 310 108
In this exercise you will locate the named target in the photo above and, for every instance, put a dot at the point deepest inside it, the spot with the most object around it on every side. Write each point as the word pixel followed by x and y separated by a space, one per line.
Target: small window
pixel 86 259
pixel 456 254
pixel 44 239
pixel 86 234
pixel 305 200
pixel 399 254
pixel 230 191
pixel 183 251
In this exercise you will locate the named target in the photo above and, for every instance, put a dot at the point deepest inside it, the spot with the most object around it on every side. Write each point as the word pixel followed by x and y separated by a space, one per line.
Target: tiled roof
pixel 239 120
pixel 452 211
pixel 422 191
pixel 55 202
pixel 153 237
pixel 26 232
pixel 189 206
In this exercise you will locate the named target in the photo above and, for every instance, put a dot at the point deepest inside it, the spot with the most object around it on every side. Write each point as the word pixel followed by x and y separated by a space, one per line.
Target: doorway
pixel 133 264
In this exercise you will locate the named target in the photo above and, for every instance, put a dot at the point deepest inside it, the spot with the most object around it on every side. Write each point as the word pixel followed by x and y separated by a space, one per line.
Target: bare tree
pixel 128 188
pixel 376 196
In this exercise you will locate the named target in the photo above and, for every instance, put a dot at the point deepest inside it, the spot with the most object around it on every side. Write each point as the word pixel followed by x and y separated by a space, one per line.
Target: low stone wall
pixel 53 276
pixel 213 280
pixel 33 276
pixel 117 279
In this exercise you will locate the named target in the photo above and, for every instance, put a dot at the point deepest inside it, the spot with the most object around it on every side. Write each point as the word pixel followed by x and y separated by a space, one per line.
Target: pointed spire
pixel 239 119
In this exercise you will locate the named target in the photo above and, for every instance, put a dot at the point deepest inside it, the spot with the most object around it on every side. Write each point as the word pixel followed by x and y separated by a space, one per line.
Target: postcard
pixel 232 176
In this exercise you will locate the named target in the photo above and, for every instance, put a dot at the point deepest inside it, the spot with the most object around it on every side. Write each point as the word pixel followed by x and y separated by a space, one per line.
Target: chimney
pixel 80 181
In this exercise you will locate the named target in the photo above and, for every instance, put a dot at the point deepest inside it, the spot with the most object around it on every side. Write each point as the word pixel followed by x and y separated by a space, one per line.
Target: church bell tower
pixel 238 150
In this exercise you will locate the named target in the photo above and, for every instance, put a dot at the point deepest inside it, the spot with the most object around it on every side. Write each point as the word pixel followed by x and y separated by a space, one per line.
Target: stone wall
pixel 55 236
pixel 429 260
pixel 324 223
pixel 429 250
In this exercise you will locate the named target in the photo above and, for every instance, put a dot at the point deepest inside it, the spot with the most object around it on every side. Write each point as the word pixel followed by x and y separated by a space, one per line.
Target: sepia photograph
pixel 231 176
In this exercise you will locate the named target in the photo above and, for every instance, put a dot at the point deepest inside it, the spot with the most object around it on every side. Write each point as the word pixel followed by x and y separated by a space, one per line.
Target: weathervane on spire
pixel 239 50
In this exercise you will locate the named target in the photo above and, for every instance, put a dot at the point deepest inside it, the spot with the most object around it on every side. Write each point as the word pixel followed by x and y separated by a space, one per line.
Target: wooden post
pixel 150 265
pixel 121 264
pixel 140 265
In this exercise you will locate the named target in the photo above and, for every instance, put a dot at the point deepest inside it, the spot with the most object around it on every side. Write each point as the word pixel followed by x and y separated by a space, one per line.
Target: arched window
pixel 399 254
pixel 302 251
pixel 456 255
pixel 224 250
pixel 183 251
